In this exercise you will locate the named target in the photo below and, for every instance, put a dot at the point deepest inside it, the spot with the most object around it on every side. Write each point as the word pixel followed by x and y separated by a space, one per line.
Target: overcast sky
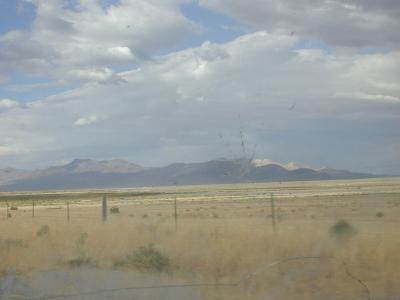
pixel 161 81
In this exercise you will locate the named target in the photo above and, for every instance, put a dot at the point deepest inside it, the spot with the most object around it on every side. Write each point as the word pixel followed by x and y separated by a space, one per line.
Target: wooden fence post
pixel 33 208
pixel 176 213
pixel 68 211
pixel 273 213
pixel 104 209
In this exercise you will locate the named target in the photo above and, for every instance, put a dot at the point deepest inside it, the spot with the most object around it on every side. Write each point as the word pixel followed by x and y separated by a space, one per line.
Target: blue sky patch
pixel 16 15
pixel 217 28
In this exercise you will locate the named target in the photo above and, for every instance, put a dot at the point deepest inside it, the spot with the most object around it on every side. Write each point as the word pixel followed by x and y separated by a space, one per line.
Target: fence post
pixel 33 208
pixel 176 213
pixel 7 211
pixel 68 211
pixel 273 213
pixel 104 209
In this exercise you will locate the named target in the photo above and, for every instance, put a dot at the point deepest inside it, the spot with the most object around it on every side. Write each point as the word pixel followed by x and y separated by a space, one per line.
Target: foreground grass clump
pixel 343 229
pixel 43 230
pixel 82 261
pixel 146 258
pixel 9 243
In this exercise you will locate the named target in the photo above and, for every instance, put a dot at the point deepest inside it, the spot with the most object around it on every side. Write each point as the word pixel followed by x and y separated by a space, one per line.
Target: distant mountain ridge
pixel 77 166
pixel 87 173
pixel 89 165
pixel 10 175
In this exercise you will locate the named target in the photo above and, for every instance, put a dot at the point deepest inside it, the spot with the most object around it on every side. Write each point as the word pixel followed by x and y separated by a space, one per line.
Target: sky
pixel 163 81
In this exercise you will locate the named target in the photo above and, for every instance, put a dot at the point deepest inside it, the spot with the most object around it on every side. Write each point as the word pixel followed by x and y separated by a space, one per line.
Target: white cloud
pixel 372 97
pixel 8 103
pixel 202 98
pixel 100 75
pixel 68 37
pixel 86 121
pixel 349 23
pixel 121 53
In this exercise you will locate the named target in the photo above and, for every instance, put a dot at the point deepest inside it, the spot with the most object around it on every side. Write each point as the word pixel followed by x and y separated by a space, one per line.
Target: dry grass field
pixel 223 237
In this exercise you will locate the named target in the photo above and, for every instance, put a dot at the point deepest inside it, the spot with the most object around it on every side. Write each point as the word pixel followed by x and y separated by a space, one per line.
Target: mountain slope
pixel 88 165
pixel 120 174
pixel 10 175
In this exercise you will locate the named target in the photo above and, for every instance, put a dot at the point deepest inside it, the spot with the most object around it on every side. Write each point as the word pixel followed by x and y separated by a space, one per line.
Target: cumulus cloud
pixel 70 36
pixel 349 23
pixel 85 121
pixel 192 105
pixel 8 103
pixel 121 53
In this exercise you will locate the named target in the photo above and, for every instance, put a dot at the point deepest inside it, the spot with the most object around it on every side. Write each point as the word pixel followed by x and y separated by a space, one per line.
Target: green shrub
pixel 114 210
pixel 146 259
pixel 343 229
pixel 380 215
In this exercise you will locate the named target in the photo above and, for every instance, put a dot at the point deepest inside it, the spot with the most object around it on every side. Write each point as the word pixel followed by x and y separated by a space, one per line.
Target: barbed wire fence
pixel 270 206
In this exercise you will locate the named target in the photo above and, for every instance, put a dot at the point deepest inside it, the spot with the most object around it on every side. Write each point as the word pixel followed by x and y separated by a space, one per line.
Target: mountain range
pixel 87 173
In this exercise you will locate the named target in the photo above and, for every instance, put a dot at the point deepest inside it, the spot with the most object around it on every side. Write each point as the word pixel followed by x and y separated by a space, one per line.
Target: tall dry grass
pixel 220 250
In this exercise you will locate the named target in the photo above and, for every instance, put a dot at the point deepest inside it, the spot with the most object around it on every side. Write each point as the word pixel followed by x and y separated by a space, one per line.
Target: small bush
pixel 83 261
pixel 43 230
pixel 343 229
pixel 146 259
pixel 14 208
pixel 380 215
pixel 81 241
pixel 114 210
pixel 12 243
